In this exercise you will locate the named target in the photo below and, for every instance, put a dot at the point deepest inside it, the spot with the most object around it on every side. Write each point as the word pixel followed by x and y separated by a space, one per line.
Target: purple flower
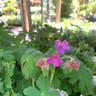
pixel 61 47
pixel 55 60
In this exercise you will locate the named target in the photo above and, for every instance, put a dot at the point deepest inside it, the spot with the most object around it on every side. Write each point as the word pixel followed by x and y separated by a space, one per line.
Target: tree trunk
pixel 58 10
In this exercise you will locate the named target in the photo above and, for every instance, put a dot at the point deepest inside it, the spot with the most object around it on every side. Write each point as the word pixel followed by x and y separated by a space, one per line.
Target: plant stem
pixel 77 51
pixel 12 91
pixel 51 78
pixel 33 82
pixel 66 57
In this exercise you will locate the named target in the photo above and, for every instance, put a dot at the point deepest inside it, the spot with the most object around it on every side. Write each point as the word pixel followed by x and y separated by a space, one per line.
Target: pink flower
pixel 61 47
pixel 55 59
pixel 72 64
pixel 43 63
pixel 67 64
pixel 76 65
pixel 40 62
pixel 45 66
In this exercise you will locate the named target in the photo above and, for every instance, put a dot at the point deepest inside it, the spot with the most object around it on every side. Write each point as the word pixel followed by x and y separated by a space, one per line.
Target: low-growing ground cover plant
pixel 46 68
pixel 40 72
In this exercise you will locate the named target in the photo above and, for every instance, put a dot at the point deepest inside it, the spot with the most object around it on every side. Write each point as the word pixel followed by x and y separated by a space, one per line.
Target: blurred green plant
pixel 36 20
pixel 7 64
pixel 16 20
pixel 88 11
pixel 67 7
pixel 10 6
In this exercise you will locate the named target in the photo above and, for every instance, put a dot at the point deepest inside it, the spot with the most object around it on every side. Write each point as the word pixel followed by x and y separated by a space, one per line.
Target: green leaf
pixel 30 70
pixel 28 62
pixel 1 52
pixel 66 71
pixel 85 78
pixel 22 84
pixel 6 94
pixel 56 82
pixel 82 44
pixel 8 57
pixel 68 88
pixel 31 91
pixel 52 93
pixel 20 51
pixel 8 73
pixel 1 87
pixel 8 83
pixel 17 94
pixel 73 76
pixel 42 83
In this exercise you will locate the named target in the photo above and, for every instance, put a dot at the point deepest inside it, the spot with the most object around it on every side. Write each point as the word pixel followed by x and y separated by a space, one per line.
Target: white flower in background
pixel 62 93
pixel 94 80
pixel 3 21
pixel 94 15
pixel 84 14
pixel 91 14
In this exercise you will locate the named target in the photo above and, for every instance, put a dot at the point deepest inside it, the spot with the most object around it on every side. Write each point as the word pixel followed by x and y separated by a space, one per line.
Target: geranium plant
pixel 48 66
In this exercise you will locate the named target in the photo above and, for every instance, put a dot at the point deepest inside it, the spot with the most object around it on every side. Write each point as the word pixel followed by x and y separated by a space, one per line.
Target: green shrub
pixel 10 6
pixel 88 11
pixel 67 7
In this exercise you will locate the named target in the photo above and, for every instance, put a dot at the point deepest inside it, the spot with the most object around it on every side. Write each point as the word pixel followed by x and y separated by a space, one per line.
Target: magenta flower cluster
pixel 54 59
pixel 61 47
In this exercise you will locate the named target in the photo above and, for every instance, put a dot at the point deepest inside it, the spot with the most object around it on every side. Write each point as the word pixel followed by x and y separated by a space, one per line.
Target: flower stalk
pixel 77 51
pixel 66 57
pixel 51 78
pixel 12 92
pixel 52 75
pixel 33 82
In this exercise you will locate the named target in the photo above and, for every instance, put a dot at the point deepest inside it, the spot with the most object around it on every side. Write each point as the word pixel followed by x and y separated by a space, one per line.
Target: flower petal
pixel 58 47
pixel 55 54
pixel 67 48
pixel 65 43
pixel 57 42
pixel 50 59
pixel 60 51
pixel 40 61
pixel 60 61
pixel 56 63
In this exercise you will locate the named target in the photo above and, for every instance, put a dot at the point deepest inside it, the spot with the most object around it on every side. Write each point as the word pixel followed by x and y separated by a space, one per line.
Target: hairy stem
pixel 66 57
pixel 51 77
pixel 12 91
pixel 33 82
